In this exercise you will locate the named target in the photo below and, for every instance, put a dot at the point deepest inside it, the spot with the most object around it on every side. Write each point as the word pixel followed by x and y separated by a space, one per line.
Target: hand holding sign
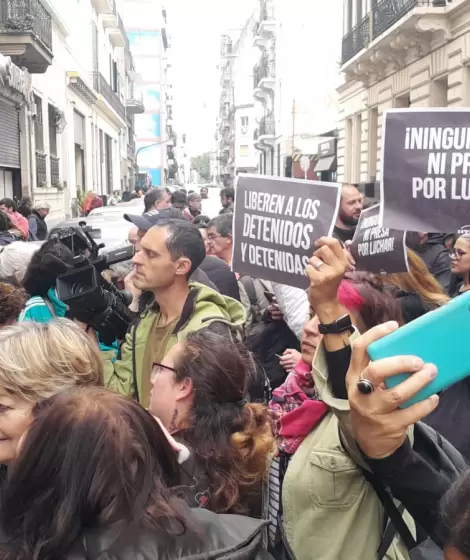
pixel 326 270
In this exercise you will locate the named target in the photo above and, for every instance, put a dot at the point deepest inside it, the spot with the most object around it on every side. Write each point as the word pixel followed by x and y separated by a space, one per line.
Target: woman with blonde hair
pixel 417 289
pixel 40 360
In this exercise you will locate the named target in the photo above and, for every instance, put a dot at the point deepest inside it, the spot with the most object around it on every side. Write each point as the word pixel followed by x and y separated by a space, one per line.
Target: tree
pixel 202 164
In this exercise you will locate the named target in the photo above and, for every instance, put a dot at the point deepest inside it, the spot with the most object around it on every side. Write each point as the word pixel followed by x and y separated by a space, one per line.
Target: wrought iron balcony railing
pixel 27 16
pixel 267 125
pixel 101 86
pixel 355 40
pixel 55 171
pixel 41 169
pixel 265 69
pixel 385 14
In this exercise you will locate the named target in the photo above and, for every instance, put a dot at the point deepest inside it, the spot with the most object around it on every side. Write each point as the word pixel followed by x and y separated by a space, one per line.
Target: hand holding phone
pixel 440 338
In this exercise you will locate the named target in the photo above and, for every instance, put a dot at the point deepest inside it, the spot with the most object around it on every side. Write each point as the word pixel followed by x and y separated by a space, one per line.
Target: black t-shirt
pixel 343 234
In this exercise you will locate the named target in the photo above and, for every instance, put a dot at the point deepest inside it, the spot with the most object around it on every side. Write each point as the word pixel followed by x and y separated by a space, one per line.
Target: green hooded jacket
pixel 203 307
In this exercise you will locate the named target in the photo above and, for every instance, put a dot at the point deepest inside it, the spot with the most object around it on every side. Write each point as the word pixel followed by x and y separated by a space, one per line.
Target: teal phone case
pixel 440 337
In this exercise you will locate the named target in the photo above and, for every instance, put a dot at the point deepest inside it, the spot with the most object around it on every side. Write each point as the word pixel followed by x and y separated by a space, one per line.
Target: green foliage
pixel 202 164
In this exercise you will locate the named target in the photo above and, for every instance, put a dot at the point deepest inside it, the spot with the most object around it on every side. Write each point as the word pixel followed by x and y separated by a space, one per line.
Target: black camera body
pixel 90 298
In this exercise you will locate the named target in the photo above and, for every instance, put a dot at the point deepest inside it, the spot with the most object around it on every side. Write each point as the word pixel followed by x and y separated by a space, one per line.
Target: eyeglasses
pixel 213 236
pixel 457 254
pixel 158 368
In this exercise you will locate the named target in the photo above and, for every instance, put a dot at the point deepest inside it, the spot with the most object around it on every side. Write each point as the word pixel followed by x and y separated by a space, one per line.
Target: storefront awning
pixel 327 163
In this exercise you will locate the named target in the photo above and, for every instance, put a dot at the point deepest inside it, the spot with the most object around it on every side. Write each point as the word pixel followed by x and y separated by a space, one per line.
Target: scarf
pixel 296 408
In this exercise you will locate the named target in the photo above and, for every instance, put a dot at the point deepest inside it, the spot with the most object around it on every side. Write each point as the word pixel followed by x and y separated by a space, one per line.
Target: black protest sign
pixel 276 223
pixel 377 249
pixel 425 182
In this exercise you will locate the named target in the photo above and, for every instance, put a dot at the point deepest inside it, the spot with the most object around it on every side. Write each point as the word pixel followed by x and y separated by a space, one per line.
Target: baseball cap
pixel 153 217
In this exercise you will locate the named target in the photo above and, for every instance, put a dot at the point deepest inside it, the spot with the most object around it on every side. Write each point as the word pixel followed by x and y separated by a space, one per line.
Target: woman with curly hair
pixel 200 394
pixel 12 301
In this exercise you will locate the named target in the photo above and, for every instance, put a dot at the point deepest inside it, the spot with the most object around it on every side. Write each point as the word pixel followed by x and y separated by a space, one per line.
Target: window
pixel 373 135
pixel 439 89
pixel 244 121
pixel 52 131
pixel 244 151
pixel 39 125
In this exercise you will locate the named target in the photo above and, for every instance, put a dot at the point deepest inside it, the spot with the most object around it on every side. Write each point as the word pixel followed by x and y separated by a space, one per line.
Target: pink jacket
pixel 21 223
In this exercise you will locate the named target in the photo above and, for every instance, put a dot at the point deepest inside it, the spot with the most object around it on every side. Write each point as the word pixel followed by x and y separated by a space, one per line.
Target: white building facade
pixel 294 83
pixel 77 121
pixel 236 124
pixel 417 56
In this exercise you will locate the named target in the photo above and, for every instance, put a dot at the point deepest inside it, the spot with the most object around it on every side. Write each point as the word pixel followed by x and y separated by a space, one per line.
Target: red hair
pixel 349 296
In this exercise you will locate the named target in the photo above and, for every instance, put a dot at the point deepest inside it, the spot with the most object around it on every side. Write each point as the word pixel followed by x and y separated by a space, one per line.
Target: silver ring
pixel 365 386
pixel 318 264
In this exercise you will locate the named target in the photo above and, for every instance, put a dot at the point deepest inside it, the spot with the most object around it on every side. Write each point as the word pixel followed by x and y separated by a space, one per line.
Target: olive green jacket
pixel 203 307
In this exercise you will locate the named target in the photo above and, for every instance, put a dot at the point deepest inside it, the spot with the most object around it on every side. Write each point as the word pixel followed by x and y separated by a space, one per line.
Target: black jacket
pixel 41 232
pixel 220 274
pixel 436 256
pixel 230 537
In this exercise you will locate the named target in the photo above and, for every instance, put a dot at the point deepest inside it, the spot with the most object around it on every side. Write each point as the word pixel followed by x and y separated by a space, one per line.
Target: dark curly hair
pixel 45 266
pixel 12 301
pixel 231 439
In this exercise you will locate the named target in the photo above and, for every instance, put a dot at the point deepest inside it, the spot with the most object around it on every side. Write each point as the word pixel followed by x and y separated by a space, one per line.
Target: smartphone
pixel 270 297
pixel 440 338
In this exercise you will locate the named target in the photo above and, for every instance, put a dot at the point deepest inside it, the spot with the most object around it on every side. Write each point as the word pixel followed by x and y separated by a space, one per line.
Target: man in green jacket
pixel 169 253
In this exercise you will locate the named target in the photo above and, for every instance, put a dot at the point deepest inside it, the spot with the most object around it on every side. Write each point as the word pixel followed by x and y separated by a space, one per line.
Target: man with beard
pixel 349 212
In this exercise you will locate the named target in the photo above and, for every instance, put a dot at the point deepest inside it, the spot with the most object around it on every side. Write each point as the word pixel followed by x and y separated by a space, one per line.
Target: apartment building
pixel 397 54
pixel 68 133
pixel 294 84
pixel 236 123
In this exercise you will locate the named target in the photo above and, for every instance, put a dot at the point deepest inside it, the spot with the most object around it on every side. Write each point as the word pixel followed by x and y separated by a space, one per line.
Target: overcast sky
pixel 195 27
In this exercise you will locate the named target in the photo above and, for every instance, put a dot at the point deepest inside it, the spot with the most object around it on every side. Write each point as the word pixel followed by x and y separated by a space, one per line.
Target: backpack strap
pixel 397 523
pixel 249 285
pixel 49 306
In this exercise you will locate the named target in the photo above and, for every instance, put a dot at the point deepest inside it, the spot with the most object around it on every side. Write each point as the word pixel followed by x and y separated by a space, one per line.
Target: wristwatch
pixel 341 325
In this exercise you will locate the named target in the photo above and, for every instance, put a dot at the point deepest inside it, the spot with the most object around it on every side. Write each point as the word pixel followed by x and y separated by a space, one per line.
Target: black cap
pixel 153 217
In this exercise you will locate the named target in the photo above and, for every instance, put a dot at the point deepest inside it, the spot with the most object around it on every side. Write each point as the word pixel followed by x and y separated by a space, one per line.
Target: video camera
pixel 92 299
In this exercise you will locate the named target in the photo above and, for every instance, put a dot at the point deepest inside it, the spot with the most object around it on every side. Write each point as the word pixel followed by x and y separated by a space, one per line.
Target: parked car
pixel 135 206
pixel 112 230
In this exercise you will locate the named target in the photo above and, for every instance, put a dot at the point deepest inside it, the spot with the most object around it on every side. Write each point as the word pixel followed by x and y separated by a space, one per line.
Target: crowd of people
pixel 229 421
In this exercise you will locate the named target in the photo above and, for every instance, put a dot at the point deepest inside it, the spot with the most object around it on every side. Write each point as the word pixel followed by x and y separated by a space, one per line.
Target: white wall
pixel 308 50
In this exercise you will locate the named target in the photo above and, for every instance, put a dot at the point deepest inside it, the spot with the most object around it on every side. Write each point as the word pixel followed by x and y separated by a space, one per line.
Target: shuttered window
pixel 9 136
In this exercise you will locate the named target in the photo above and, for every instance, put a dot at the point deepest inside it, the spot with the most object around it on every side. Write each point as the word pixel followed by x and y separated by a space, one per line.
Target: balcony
pixel 41 170
pixel 135 105
pixel 264 78
pixel 106 91
pixel 104 7
pixel 26 34
pixel 265 135
pixel 267 24
pixel 385 37
pixel 55 171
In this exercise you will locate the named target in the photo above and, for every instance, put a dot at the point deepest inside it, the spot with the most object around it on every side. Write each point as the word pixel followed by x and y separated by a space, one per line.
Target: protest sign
pixel 277 221
pixel 377 249
pixel 425 179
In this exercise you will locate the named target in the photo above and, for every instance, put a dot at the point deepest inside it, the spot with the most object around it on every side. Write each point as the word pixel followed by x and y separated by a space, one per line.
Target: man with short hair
pixel 20 222
pixel 227 199
pixel 169 253
pixel 179 200
pixel 194 204
pixel 156 199
pixel 349 213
